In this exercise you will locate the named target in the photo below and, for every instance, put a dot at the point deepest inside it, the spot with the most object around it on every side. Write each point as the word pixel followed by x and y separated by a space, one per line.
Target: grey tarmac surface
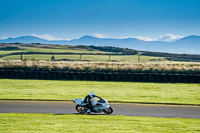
pixel 127 109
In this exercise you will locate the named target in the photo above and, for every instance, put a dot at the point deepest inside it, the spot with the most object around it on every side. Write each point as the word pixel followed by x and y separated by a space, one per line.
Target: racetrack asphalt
pixel 127 109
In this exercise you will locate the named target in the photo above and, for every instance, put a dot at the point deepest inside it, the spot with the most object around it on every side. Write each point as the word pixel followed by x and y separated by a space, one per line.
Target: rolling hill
pixel 186 45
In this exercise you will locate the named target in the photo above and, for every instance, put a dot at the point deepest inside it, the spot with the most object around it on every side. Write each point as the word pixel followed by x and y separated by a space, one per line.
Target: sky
pixel 69 19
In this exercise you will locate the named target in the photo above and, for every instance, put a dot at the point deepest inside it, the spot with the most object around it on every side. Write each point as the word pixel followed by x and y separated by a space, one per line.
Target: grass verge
pixel 171 93
pixel 151 67
pixel 11 122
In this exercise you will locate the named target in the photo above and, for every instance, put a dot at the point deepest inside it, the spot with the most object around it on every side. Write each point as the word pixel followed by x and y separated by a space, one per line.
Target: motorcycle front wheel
pixel 80 109
pixel 108 111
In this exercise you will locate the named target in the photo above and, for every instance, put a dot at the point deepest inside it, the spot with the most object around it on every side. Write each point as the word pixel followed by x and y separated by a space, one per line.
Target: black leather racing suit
pixel 88 102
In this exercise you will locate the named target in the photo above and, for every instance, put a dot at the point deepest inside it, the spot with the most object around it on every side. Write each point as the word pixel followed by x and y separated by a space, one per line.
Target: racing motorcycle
pixel 98 106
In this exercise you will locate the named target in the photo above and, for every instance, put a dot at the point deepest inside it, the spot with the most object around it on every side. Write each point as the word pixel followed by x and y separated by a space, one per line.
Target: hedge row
pixel 100 76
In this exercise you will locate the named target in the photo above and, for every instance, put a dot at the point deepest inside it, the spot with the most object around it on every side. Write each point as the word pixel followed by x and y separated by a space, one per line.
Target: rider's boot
pixel 88 111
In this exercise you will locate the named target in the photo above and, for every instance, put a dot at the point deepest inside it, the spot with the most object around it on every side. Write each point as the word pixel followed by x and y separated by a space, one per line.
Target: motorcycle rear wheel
pixel 81 109
pixel 110 111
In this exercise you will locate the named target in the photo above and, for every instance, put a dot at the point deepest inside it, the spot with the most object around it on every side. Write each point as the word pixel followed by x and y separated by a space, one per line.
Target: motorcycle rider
pixel 87 101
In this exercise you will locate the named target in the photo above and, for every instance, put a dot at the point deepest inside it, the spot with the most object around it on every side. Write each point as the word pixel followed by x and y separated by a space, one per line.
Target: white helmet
pixel 92 94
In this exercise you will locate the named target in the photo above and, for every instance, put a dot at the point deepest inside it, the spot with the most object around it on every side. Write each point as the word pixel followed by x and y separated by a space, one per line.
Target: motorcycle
pixel 98 106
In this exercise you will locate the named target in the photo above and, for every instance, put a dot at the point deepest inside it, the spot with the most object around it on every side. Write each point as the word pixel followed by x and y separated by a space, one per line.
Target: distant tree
pixel 9 48
pixel 115 49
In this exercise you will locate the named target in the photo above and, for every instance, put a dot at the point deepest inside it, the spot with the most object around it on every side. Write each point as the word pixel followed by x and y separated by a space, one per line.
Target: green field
pixel 67 49
pixel 61 49
pixel 124 53
pixel 19 123
pixel 2 52
pixel 49 48
pixel 173 93
pixel 101 58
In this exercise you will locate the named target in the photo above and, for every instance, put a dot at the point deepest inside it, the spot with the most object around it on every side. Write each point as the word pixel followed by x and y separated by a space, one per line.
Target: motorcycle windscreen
pixel 78 101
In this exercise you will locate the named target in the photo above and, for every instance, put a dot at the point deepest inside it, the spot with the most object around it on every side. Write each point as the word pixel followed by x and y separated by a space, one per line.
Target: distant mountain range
pixel 186 45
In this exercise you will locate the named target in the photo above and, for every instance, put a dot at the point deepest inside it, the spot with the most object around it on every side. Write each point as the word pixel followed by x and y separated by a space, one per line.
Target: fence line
pixel 106 57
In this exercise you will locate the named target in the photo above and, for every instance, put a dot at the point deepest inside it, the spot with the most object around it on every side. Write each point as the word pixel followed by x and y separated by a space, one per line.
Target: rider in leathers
pixel 87 101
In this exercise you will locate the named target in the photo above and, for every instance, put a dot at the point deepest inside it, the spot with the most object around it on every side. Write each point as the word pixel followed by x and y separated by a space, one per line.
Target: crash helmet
pixel 92 94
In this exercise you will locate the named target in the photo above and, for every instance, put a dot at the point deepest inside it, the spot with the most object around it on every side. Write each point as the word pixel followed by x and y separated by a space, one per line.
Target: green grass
pixel 60 50
pixel 45 50
pixel 64 49
pixel 11 51
pixel 48 49
pixel 19 123
pixel 101 58
pixel 175 93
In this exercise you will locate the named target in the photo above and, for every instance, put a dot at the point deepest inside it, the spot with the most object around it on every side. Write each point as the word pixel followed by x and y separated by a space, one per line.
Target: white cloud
pixel 169 37
pixel 47 37
pixel 166 38
pixel 138 37
pixel 3 37
pixel 98 35
pixel 144 38
pixel 125 37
